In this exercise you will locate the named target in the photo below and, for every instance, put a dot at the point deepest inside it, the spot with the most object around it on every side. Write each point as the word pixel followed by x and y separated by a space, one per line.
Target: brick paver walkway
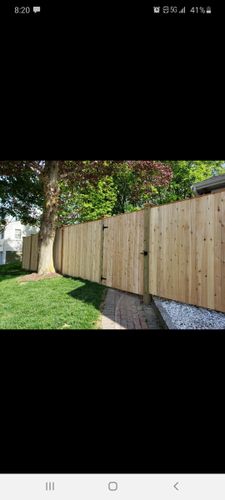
pixel 124 311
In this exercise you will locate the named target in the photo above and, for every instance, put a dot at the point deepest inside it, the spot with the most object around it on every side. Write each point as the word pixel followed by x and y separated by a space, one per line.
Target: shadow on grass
pixel 89 292
pixel 8 271
pixel 7 276
pixel 16 266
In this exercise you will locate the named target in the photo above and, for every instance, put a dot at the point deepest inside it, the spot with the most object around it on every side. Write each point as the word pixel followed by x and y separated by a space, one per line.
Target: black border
pixel 167 418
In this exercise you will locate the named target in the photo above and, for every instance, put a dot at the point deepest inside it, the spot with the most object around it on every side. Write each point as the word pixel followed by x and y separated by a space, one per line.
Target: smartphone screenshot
pixel 112 325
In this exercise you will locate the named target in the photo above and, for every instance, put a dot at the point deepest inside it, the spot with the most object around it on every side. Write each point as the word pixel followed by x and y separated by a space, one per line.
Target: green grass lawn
pixel 58 303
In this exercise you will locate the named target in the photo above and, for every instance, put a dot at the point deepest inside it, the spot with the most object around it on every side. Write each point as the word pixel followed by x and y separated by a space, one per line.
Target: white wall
pixel 10 242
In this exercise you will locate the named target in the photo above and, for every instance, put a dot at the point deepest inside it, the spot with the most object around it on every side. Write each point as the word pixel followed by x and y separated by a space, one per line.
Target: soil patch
pixel 38 277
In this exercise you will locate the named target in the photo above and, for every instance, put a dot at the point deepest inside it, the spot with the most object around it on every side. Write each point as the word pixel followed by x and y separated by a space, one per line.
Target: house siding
pixel 9 244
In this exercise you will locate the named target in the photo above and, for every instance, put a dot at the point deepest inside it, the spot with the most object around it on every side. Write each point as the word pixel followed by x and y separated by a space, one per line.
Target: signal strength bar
pixel 182 11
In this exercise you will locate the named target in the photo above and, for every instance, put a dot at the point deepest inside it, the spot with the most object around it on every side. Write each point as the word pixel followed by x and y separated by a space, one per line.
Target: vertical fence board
pixel 193 289
pixel 139 259
pixel 26 253
pixel 30 253
pixel 34 253
pixel 159 250
pixel 222 206
pixel 211 256
pixel 147 296
pixel 218 253
pixel 153 252
pixel 201 251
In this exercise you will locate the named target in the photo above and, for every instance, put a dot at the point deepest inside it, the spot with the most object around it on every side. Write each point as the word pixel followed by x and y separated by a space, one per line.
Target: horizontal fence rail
pixel 175 251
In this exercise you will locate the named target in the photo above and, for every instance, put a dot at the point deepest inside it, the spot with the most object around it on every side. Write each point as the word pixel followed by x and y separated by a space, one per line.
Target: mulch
pixel 38 277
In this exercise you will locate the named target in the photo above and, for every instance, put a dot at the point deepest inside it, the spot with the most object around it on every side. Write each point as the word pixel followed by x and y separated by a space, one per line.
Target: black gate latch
pixel 144 253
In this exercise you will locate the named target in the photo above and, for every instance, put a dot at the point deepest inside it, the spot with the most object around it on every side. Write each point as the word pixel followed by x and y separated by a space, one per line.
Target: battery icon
pixel 36 9
pixel 208 10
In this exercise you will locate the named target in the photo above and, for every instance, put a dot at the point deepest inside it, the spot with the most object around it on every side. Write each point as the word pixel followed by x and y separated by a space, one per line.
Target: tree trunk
pixel 49 218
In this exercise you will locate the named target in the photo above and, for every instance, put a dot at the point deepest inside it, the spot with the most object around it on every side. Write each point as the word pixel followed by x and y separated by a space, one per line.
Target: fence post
pixel 30 253
pixel 101 251
pixel 147 297
pixel 23 253
pixel 62 248
pixel 38 248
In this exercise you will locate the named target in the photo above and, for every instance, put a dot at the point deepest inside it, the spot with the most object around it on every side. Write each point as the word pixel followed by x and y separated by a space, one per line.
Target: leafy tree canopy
pixel 86 188
pixel 185 174
pixel 125 186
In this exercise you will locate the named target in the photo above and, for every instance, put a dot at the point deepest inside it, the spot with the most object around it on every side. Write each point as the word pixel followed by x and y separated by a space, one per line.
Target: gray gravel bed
pixel 185 317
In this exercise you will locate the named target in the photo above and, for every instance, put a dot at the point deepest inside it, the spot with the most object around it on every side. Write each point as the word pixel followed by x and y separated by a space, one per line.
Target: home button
pixel 113 486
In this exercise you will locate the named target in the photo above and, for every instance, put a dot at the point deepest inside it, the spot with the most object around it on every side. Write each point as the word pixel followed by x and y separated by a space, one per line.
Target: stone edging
pixel 162 314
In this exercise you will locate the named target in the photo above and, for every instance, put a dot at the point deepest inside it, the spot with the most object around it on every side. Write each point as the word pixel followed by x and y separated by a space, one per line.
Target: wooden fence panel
pixel 26 253
pixel 122 259
pixel 187 251
pixel 82 250
pixel 219 249
pixel 34 253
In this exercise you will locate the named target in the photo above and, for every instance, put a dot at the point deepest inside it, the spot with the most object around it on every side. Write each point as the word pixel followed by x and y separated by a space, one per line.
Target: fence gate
pixel 123 259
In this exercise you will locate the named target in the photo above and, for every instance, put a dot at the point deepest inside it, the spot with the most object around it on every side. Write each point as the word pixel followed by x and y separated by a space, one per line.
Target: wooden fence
pixel 79 250
pixel 187 251
pixel 122 265
pixel 175 251
pixel 30 252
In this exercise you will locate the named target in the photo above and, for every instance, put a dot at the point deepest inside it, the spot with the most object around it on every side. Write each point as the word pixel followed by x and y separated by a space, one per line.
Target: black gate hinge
pixel 105 227
pixel 102 278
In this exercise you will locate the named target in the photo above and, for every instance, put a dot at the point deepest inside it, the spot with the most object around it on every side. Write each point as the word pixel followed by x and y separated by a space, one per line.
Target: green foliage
pixel 129 186
pixel 98 202
pixel 185 174
pixel 21 197
pixel 93 189
pixel 89 203
pixel 136 182
pixel 124 182
pixel 133 188
pixel 25 186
